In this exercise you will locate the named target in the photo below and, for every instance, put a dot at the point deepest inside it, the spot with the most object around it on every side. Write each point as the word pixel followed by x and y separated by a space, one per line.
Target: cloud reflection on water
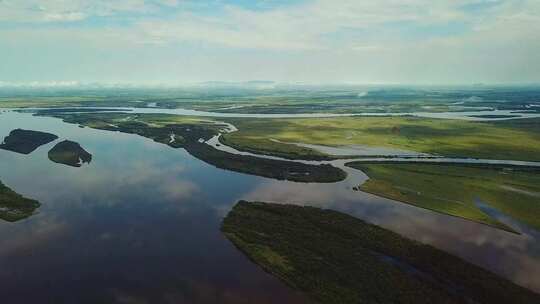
pixel 514 256
pixel 153 212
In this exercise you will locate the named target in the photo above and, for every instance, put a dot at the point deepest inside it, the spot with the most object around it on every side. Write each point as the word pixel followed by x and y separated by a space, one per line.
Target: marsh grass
pixel 453 189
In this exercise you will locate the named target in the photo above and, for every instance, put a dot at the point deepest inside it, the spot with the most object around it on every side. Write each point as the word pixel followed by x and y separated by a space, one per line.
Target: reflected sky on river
pixel 140 224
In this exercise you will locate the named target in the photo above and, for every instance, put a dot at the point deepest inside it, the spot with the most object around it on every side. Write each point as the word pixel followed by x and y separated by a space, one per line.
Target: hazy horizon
pixel 248 84
pixel 174 42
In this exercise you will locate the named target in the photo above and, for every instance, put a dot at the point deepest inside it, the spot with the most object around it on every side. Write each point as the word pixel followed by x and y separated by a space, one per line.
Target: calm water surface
pixel 140 224
pixel 476 115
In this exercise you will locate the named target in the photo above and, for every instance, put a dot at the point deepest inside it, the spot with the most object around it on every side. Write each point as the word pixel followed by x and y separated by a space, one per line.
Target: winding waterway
pixel 463 115
pixel 141 223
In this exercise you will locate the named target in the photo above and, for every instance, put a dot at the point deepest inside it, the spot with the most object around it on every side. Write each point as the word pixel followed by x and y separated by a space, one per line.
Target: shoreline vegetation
pixel 26 141
pixel 242 98
pixel 69 153
pixel 459 189
pixel 276 169
pixel 329 256
pixel 15 207
pixel 397 181
pixel 275 148
pixel 510 140
pixel 516 139
pixel 336 258
pixel 191 133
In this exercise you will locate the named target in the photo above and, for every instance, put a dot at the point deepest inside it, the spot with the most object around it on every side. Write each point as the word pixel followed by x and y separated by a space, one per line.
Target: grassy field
pixel 335 258
pixel 46 101
pixel 15 207
pixel 515 139
pixel 239 104
pixel 454 189
pixel 282 99
pixel 106 119
pixel 267 146
pixel 187 132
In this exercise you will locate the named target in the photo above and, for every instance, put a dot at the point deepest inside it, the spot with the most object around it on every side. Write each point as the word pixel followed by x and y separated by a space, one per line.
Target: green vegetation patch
pixel 190 133
pixel 69 153
pixel 15 207
pixel 517 139
pixel 276 169
pixel 456 189
pixel 494 116
pixel 336 258
pixel 268 146
pixel 26 141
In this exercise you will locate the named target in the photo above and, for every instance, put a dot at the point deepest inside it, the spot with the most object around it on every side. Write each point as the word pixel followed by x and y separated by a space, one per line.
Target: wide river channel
pixel 140 224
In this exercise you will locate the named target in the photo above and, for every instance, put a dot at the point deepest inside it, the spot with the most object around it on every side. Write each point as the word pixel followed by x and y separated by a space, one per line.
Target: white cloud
pixel 168 2
pixel 368 48
pixel 64 16
pixel 320 40
pixel 74 10
pixel 364 25
pixel 312 26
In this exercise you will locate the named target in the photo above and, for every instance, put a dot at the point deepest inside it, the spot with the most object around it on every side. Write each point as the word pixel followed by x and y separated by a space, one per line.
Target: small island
pixel 270 168
pixel 26 141
pixel 191 134
pixel 336 258
pixel 15 207
pixel 69 153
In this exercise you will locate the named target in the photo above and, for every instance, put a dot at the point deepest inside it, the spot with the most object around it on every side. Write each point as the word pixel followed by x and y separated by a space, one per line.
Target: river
pixel 141 222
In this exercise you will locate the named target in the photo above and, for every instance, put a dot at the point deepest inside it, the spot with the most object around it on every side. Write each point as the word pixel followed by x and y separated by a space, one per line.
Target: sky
pixel 310 41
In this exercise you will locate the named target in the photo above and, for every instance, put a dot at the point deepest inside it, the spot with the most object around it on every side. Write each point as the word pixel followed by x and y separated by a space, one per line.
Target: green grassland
pixel 187 132
pixel 336 258
pixel 267 146
pixel 515 139
pixel 47 101
pixel 105 120
pixel 303 104
pixel 15 207
pixel 282 99
pixel 454 189
pixel 236 104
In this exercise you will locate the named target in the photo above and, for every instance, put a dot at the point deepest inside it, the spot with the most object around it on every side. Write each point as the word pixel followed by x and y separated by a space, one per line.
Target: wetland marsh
pixel 142 220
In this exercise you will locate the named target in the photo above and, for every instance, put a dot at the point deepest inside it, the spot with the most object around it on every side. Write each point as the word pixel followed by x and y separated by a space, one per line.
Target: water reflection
pixel 475 114
pixel 514 256
pixel 141 224
pixel 138 224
